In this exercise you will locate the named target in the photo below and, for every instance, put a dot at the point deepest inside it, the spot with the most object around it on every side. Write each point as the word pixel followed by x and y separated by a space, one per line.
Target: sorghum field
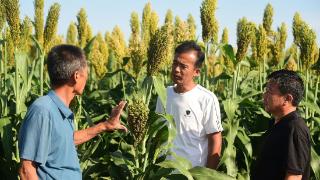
pixel 138 71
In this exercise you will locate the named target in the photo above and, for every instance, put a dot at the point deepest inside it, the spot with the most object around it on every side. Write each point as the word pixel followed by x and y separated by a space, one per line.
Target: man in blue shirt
pixel 47 136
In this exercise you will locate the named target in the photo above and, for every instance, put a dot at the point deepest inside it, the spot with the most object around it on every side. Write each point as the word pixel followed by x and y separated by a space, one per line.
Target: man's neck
pixel 184 88
pixel 66 94
pixel 283 113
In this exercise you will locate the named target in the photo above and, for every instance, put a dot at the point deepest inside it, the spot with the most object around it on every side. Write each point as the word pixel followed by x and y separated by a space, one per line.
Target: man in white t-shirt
pixel 195 109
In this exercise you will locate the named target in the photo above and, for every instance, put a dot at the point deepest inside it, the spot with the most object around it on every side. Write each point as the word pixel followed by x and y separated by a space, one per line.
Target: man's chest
pixel 276 143
pixel 187 113
pixel 62 133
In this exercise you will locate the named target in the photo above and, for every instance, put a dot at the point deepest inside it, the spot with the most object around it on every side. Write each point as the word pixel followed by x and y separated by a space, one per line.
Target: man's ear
pixel 197 72
pixel 289 98
pixel 76 76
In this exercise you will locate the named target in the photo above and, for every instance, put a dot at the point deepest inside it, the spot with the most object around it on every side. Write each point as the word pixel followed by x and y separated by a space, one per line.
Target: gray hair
pixel 63 61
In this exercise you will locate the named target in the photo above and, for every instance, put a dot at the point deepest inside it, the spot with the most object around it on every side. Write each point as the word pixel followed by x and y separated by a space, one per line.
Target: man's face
pixel 272 98
pixel 81 80
pixel 184 69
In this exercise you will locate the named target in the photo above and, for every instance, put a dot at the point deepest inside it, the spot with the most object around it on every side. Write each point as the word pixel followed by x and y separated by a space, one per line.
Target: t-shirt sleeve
pixel 35 135
pixel 212 116
pixel 298 151
pixel 159 106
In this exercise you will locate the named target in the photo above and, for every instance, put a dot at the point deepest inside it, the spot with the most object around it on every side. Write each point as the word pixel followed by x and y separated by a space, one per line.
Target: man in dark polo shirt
pixel 286 150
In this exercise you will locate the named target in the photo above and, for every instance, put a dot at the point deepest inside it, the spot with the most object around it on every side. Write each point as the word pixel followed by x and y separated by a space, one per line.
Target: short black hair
pixel 289 82
pixel 187 46
pixel 63 61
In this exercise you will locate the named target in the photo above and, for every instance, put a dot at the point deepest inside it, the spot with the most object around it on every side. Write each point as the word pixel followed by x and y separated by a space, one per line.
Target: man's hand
pixel 113 123
pixel 28 170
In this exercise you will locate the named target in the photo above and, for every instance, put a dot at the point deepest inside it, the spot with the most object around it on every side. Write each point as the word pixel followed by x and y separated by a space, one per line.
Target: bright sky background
pixel 103 15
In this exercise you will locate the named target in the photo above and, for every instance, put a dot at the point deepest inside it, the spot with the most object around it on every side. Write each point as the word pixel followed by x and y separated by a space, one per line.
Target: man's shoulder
pixel 297 124
pixel 170 91
pixel 170 88
pixel 39 111
pixel 300 124
pixel 199 92
pixel 205 93
pixel 42 103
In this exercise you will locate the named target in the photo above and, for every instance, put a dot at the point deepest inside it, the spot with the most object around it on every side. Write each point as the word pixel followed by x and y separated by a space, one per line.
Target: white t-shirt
pixel 196 114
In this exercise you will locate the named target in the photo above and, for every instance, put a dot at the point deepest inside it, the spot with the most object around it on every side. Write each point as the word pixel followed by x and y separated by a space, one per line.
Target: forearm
pixel 28 171
pixel 214 150
pixel 293 177
pixel 213 161
pixel 84 135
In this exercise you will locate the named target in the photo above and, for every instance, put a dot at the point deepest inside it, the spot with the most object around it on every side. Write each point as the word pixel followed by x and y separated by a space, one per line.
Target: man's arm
pixel 113 123
pixel 28 170
pixel 298 155
pixel 293 177
pixel 214 149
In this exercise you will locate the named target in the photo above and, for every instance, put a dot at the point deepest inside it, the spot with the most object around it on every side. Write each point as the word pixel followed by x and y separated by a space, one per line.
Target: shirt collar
pixel 64 110
pixel 291 116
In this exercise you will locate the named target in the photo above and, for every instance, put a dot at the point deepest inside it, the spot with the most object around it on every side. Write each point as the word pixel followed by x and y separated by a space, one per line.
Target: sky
pixel 103 15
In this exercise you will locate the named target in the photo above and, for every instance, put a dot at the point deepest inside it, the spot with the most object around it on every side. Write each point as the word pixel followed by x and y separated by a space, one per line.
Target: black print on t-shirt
pixel 188 113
